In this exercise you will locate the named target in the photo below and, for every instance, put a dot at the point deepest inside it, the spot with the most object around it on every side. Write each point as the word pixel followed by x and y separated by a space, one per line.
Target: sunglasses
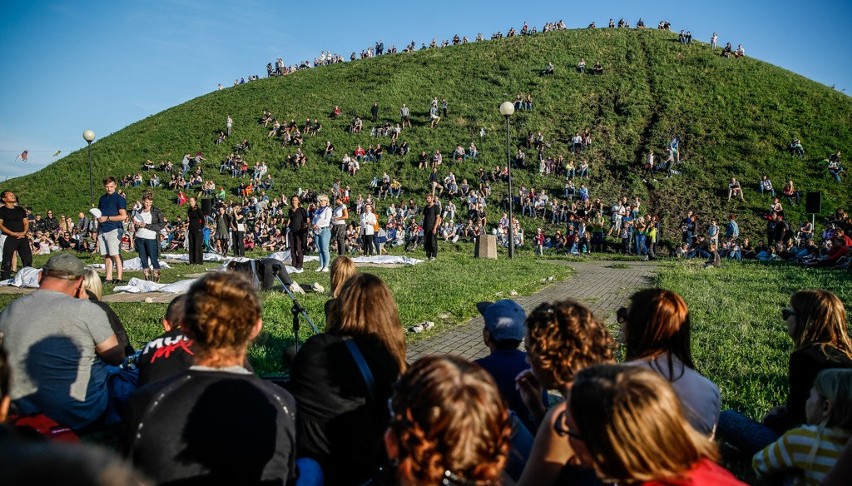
pixel 561 427
pixel 787 313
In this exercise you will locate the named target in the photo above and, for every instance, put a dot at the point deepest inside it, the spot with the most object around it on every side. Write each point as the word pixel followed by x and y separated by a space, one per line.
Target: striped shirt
pixel 792 454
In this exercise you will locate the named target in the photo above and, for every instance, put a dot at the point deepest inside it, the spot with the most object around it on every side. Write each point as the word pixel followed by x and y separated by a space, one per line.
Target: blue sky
pixel 66 66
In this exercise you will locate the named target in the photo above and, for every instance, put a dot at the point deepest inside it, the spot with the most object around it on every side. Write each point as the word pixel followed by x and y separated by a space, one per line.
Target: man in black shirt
pixel 15 225
pixel 431 223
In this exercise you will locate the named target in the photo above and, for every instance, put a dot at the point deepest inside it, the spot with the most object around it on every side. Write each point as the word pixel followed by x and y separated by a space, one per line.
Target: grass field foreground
pixel 739 339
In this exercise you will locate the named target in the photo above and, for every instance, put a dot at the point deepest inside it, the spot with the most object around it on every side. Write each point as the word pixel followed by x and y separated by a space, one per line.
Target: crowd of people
pixel 187 407
pixel 278 67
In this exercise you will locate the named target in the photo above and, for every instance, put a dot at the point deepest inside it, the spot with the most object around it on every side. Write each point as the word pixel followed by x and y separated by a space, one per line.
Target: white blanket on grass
pixel 137 285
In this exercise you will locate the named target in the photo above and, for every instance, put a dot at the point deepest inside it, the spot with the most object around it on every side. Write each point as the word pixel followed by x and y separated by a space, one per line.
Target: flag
pixel 23 156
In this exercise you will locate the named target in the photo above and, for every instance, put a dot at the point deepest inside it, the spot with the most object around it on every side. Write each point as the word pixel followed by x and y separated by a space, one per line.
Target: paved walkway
pixel 603 286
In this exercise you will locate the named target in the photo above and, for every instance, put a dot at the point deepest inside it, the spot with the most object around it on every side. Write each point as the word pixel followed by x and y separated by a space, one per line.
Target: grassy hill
pixel 734 117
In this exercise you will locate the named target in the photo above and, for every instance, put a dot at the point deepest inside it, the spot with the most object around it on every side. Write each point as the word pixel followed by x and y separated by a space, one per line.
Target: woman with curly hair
pixel 562 339
pixel 216 423
pixel 816 321
pixel 628 423
pixel 656 334
pixel 342 412
pixel 448 424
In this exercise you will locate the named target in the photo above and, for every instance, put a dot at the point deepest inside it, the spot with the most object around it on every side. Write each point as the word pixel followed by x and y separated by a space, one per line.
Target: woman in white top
pixel 369 222
pixel 656 335
pixel 148 221
pixel 339 218
pixel 322 223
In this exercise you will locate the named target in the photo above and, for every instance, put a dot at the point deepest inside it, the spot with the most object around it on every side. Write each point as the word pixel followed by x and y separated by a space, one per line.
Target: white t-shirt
pixel 144 233
pixel 368 223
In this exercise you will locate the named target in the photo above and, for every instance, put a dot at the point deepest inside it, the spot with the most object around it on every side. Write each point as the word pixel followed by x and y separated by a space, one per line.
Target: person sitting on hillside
pixel 472 151
pixel 433 116
pixel 765 185
pixel 727 50
pixel 548 69
pixel 796 149
pixel 790 192
pixel 735 189
pixel 581 66
pixel 836 170
pixel 335 112
pixel 458 153
pixel 598 69
pixel 740 52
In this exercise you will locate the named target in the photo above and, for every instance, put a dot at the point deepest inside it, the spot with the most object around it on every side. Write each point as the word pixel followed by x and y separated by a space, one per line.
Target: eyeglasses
pixel 561 426
pixel 787 313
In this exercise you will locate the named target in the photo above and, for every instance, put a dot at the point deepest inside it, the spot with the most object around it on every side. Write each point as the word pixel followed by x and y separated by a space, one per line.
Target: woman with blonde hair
pixel 816 321
pixel 342 268
pixel 321 220
pixel 562 339
pixel 342 380
pixel 93 290
pixel 628 423
pixel 216 423
pixel 657 336
pixel 448 424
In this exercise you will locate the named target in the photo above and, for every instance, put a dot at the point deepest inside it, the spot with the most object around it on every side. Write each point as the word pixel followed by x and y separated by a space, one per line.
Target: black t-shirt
pixel 165 356
pixel 13 218
pixel 196 218
pixel 298 219
pixel 213 427
pixel 430 217
pixel 338 426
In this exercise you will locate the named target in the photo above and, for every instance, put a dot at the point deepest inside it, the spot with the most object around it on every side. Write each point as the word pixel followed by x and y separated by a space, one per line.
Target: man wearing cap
pixel 113 209
pixel 503 333
pixel 59 346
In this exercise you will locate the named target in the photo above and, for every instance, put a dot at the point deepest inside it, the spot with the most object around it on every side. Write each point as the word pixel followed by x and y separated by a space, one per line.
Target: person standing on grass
pixel 297 223
pixel 15 225
pixel 229 124
pixel 149 220
pixel 113 210
pixel 194 233
pixel 431 223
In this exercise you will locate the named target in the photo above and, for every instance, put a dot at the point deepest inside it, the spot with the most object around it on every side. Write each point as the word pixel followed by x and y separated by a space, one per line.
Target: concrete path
pixel 603 286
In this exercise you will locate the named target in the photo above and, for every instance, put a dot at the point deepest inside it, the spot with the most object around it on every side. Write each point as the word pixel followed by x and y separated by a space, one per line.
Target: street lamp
pixel 89 137
pixel 507 109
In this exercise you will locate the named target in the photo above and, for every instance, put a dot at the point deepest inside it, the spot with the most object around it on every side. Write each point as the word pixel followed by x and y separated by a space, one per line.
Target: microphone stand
pixel 298 310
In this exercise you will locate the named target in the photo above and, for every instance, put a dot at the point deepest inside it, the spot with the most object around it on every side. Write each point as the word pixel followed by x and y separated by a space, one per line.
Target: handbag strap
pixel 363 367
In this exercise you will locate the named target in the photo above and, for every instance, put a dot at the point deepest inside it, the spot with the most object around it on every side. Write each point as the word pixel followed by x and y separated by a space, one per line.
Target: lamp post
pixel 89 137
pixel 507 109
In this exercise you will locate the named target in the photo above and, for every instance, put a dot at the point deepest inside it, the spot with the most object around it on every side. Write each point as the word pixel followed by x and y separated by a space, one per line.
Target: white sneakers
pixel 298 270
pixel 323 269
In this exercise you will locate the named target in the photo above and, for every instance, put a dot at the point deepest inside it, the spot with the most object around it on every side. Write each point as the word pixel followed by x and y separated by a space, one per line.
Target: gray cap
pixel 65 263
pixel 504 319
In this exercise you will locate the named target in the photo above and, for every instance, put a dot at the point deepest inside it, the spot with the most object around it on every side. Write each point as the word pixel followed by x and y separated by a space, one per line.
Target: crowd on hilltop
pixel 278 67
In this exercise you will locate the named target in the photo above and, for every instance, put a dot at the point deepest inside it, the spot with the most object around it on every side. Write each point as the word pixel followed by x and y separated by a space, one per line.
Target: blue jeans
pixel 148 249
pixel 745 434
pixel 323 239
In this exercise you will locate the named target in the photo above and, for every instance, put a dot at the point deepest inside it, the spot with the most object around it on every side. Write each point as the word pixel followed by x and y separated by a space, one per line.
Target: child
pixel 714 260
pixel 809 452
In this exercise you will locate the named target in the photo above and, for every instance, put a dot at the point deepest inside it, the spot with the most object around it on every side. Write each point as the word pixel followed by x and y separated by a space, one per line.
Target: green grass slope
pixel 734 117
